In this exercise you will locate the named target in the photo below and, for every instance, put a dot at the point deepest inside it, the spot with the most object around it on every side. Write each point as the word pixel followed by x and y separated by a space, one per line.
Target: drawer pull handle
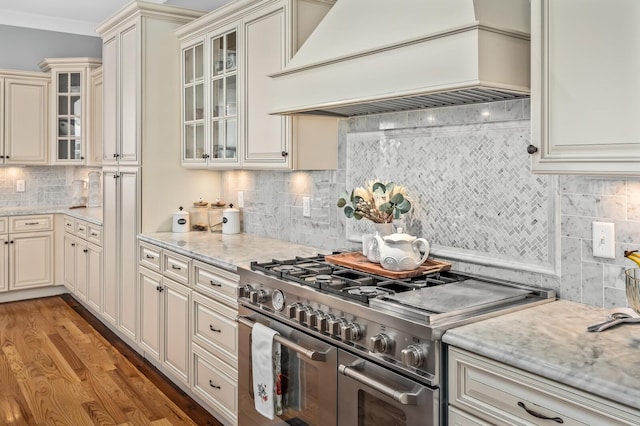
pixel 149 256
pixel 212 385
pixel 215 330
pixel 175 267
pixel 215 284
pixel 538 415
pixel 80 229
pixel 31 223
pixel 94 234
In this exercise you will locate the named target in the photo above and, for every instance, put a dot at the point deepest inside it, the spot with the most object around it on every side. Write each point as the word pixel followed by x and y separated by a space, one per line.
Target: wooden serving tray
pixel 356 260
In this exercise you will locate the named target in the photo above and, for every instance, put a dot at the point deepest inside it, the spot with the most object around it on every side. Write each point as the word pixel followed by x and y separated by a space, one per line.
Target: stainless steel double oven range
pixel 360 349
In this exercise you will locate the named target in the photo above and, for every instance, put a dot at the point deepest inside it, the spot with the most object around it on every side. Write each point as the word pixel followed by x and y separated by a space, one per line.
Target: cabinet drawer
pixel 149 256
pixel 215 382
pixel 94 234
pixel 215 328
pixel 176 267
pixel 81 229
pixel 31 223
pixel 504 395
pixel 216 282
pixel 69 225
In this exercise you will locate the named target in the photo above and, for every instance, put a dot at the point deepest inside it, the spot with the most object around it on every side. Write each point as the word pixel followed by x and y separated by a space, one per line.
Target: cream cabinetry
pixel 165 312
pixel 24 118
pixel 71 100
pixel 83 261
pixel 483 391
pixel 94 147
pixel 188 327
pixel 585 88
pixel 26 256
pixel 227 57
pixel 120 227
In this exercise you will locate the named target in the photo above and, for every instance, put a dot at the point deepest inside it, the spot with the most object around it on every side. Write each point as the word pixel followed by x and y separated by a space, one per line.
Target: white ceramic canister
pixel 180 222
pixel 231 220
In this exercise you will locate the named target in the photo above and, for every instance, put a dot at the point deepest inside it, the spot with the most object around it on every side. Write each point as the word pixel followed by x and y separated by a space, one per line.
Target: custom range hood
pixel 374 56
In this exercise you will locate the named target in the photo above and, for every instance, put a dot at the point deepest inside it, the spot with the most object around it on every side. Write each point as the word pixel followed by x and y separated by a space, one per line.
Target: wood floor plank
pixel 60 365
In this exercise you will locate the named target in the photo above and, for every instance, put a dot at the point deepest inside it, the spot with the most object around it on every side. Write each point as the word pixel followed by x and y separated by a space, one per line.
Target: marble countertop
pixel 228 251
pixel 552 341
pixel 90 214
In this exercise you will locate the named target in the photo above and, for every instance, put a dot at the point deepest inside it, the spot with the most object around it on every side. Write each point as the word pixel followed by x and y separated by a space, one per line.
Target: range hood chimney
pixel 375 56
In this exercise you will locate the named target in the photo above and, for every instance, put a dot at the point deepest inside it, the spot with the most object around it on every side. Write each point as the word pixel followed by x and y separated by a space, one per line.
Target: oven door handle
pixel 404 398
pixel 309 353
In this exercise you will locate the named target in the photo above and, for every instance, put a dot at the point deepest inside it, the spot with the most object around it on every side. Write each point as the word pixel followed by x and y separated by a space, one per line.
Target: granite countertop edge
pixel 89 214
pixel 590 367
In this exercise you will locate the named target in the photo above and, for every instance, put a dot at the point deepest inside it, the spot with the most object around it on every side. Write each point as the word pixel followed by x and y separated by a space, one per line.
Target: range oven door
pixel 309 376
pixel 371 395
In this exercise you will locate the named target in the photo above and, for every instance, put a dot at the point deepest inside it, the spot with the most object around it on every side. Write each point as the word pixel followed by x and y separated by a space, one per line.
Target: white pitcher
pixel 399 251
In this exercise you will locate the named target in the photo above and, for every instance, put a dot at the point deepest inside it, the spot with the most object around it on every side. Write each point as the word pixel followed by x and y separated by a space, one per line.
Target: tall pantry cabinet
pixel 141 108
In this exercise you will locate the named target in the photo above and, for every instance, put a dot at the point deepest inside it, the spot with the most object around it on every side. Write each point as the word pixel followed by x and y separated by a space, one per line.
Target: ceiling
pixel 78 16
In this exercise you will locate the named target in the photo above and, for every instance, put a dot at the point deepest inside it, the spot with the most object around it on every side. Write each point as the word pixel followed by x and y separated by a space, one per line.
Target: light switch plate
pixel 604 240
pixel 306 207
pixel 240 199
pixel 20 185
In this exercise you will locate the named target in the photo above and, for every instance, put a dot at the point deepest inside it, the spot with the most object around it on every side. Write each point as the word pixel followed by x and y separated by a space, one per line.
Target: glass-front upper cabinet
pixel 193 123
pixel 69 117
pixel 224 109
pixel 71 94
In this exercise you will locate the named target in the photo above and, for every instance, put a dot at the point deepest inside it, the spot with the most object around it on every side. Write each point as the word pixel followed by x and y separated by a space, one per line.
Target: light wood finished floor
pixel 57 369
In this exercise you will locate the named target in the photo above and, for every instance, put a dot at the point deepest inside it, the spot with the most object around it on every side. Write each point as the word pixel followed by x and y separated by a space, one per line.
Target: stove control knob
pixel 413 355
pixel 244 291
pixel 258 296
pixel 351 332
pixel 292 309
pixel 323 322
pixel 335 326
pixel 380 343
pixel 315 317
pixel 302 313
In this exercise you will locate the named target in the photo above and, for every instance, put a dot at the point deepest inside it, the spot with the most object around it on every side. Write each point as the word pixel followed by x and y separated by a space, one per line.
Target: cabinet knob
pixel 284 153
pixel 6 242
pixel 205 156
pixel 532 149
pixel 7 157
pixel 116 155
pixel 1 156
pixel 116 176
pixel 82 158
pixel 72 244
pixel 85 250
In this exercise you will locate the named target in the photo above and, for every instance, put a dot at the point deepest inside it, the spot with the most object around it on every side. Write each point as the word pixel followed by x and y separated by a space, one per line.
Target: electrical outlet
pixel 306 207
pixel 20 185
pixel 604 240
pixel 240 199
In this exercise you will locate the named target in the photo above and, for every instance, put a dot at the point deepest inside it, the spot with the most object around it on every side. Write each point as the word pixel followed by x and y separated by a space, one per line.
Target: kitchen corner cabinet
pixel 71 100
pixel 483 391
pixel 227 57
pixel 26 253
pixel 121 222
pixel 585 89
pixel 24 119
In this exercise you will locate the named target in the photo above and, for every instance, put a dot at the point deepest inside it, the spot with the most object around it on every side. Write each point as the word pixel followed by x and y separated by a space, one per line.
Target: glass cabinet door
pixel 193 104
pixel 69 116
pixel 223 116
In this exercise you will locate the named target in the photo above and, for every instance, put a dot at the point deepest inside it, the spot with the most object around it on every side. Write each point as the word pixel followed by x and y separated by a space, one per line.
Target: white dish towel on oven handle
pixel 266 357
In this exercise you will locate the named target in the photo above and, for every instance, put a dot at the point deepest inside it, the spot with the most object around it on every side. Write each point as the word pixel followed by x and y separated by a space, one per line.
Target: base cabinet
pixel 482 391
pixel 26 256
pixel 83 261
pixel 188 327
pixel 164 320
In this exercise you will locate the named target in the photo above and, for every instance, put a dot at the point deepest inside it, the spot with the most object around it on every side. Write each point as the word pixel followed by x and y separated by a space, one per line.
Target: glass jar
pixel 199 218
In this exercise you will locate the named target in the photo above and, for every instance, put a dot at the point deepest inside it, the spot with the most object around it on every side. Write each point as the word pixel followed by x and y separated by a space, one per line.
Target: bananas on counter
pixel 633 255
